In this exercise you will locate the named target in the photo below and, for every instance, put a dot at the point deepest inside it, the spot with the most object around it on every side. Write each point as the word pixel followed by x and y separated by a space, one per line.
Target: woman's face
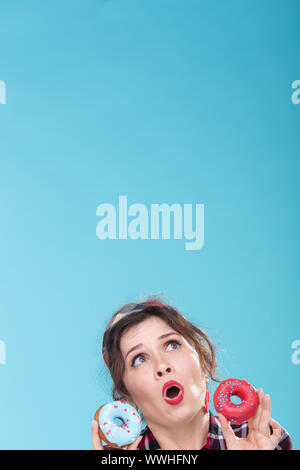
pixel 155 354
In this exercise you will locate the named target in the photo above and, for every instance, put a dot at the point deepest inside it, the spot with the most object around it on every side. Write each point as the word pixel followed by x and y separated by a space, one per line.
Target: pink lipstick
pixel 173 392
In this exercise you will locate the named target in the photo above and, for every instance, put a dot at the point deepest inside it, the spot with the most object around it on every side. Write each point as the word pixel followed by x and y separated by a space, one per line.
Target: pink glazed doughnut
pixel 236 413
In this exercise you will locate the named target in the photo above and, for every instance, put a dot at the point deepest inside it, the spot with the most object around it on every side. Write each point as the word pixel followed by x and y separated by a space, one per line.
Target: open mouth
pixel 173 392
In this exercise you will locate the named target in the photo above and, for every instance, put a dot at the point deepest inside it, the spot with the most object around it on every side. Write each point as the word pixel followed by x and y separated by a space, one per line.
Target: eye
pixel 134 363
pixel 140 358
pixel 174 343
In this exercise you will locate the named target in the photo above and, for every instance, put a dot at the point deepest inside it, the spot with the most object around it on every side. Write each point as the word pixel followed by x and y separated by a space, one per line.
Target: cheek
pixel 195 374
pixel 139 387
pixel 192 364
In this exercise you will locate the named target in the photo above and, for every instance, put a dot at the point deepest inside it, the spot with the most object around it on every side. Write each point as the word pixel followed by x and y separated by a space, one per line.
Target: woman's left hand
pixel 259 436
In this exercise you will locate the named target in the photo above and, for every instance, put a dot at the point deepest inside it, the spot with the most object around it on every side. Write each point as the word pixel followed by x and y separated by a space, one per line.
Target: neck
pixel 191 435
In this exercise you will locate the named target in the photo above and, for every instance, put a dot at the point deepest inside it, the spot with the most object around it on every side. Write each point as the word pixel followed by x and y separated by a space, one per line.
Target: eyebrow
pixel 158 339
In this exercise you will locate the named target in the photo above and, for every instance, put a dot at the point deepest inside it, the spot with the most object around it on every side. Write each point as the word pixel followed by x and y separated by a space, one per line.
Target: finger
pixel 265 415
pixel 276 436
pixel 227 432
pixel 135 444
pixel 253 422
pixel 96 441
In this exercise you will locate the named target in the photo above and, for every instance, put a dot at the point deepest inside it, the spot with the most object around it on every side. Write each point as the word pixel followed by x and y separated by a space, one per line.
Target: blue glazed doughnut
pixel 119 423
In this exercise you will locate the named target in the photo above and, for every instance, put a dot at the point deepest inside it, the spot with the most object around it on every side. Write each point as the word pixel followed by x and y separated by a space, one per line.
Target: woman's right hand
pixel 97 444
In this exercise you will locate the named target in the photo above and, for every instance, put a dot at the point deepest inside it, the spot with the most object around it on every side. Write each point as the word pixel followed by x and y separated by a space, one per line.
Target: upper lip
pixel 171 383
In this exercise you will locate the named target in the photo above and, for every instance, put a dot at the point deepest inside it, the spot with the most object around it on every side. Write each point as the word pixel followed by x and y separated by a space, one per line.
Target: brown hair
pixel 194 336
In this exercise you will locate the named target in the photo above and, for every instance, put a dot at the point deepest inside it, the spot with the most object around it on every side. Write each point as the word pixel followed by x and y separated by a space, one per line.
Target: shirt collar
pixel 149 442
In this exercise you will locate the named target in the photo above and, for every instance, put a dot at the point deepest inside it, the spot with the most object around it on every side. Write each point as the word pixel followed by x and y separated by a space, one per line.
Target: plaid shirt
pixel 215 439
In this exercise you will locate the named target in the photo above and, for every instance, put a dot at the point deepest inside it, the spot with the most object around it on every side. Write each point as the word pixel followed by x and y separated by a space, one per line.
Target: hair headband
pixel 122 314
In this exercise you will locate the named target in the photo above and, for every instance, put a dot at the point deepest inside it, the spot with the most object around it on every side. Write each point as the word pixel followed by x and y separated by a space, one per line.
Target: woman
pixel 150 344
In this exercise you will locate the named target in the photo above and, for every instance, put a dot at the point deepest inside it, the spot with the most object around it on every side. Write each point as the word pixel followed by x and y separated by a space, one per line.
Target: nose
pixel 163 370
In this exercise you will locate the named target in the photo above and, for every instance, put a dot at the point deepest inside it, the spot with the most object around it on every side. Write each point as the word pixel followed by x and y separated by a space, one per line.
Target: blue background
pixel 163 101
